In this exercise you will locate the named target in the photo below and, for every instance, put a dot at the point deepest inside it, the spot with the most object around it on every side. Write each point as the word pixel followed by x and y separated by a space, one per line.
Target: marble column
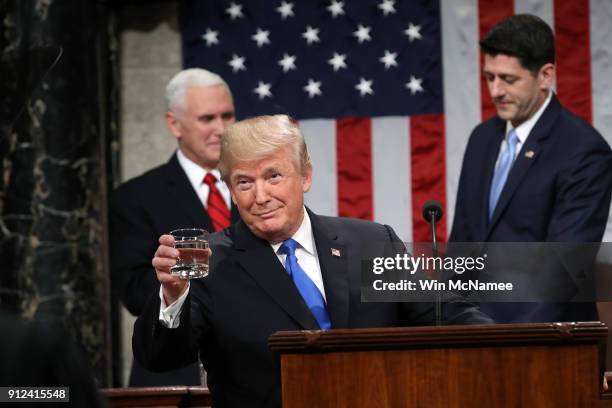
pixel 55 129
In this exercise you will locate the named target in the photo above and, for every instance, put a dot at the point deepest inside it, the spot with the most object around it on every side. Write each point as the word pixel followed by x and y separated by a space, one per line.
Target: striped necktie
pixel 217 209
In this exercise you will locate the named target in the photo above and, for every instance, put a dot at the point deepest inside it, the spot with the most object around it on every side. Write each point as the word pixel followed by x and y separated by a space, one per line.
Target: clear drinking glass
pixel 192 244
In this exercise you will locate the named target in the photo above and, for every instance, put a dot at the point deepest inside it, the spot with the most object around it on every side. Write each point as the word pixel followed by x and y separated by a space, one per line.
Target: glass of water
pixel 192 244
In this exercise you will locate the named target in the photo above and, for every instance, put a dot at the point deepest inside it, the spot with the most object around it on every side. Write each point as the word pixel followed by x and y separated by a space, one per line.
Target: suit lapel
pixel 187 199
pixel 259 260
pixel 524 161
pixel 334 268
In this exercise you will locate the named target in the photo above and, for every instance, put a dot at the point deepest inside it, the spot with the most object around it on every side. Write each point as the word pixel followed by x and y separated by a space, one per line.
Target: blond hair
pixel 259 137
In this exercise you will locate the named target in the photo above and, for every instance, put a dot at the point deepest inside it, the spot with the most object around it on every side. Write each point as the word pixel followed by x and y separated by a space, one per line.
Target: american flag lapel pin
pixel 335 252
pixel 529 154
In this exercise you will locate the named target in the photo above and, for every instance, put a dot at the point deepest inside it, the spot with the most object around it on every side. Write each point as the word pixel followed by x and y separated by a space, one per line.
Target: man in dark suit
pixel 281 268
pixel 535 172
pixel 177 194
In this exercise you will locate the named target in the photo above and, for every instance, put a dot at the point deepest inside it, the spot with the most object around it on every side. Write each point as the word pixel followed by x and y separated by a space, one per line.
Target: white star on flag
pixel 235 11
pixel 413 32
pixel 311 35
pixel 285 10
pixel 261 37
pixel 338 61
pixel 364 87
pixel 263 90
pixel 313 88
pixel 387 7
pixel 288 62
pixel 336 8
pixel 211 37
pixel 389 59
pixel 362 33
pixel 237 63
pixel 414 85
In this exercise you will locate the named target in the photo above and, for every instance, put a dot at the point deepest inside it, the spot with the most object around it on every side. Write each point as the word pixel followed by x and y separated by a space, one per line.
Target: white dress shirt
pixel 306 253
pixel 196 175
pixel 522 130
pixel 169 315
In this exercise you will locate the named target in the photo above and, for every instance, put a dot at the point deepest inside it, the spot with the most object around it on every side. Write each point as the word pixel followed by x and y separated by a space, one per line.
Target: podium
pixel 509 365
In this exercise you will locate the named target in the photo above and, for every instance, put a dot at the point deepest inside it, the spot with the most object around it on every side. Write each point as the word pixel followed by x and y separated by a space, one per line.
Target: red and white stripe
pixel 384 169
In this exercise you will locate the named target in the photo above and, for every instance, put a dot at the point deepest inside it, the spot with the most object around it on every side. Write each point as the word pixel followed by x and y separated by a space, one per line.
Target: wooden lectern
pixel 518 365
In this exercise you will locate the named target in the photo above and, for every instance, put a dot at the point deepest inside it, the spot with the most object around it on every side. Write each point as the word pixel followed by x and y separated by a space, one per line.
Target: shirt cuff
pixel 169 315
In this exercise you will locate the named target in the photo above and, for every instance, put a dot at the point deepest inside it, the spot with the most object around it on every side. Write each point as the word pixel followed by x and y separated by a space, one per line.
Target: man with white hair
pixel 187 191
pixel 282 267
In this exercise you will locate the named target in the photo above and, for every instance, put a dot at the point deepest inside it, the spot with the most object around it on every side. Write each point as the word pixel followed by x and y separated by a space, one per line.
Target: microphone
pixel 432 212
pixel 432 208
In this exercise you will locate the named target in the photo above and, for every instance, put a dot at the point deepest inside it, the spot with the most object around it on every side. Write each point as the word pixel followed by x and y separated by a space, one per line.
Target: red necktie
pixel 217 209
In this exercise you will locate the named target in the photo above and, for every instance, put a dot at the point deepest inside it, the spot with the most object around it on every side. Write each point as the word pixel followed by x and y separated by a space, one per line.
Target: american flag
pixel 388 91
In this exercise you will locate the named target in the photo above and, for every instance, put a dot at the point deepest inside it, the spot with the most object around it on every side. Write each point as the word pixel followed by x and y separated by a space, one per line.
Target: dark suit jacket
pixel 40 354
pixel 249 295
pixel 559 194
pixel 142 209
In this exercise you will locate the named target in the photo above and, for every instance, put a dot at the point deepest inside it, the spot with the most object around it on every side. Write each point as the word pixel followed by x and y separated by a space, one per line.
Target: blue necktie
pixel 309 291
pixel 502 171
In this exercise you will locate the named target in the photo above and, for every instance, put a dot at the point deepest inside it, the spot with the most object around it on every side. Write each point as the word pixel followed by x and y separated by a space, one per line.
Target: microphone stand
pixel 434 252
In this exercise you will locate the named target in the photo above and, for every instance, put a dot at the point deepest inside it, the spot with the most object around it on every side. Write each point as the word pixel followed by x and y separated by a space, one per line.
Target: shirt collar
pixel 524 129
pixel 194 172
pixel 303 236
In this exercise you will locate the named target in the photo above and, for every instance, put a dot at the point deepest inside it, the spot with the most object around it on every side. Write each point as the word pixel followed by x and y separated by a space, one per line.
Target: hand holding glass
pixel 192 244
